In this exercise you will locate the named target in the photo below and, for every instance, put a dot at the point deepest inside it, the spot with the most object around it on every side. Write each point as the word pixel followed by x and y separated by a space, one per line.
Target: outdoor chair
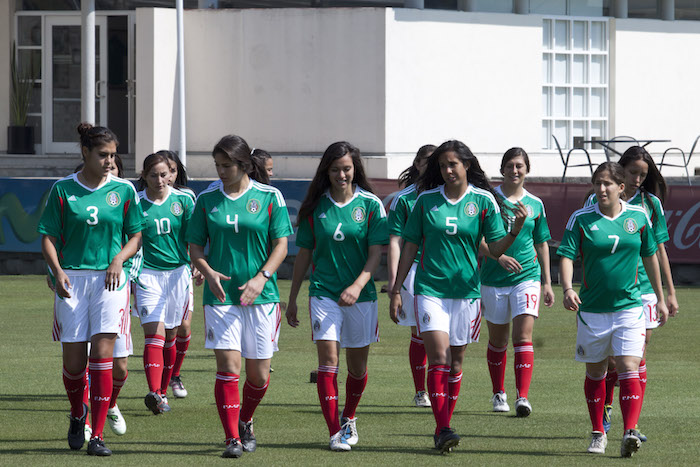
pixel 610 148
pixel 565 160
pixel 686 161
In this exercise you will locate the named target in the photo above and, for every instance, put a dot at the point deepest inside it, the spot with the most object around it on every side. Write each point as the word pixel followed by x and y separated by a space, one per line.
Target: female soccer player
pixel 342 226
pixel 646 187
pixel 162 291
pixel 610 236
pixel 246 224
pixel 510 286
pixel 455 209
pixel 86 215
pixel 399 210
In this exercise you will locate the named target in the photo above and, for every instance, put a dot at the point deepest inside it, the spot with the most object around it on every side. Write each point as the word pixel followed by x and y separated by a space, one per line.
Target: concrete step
pixel 49 165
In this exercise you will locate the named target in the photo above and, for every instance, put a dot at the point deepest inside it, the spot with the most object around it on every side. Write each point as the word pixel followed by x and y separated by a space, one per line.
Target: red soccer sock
pixel 454 382
pixel 610 381
pixel 630 398
pixel 643 376
pixel 252 395
pixel 594 389
pixel 327 385
pixel 354 388
pixel 86 390
pixel 417 359
pixel 169 355
pixel 228 402
pixel 117 385
pixel 76 386
pixel 181 344
pixel 100 392
pixel 496 358
pixel 153 361
pixel 438 389
pixel 524 361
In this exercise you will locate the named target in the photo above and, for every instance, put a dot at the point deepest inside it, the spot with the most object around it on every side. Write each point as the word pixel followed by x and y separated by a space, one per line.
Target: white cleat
pixel 598 443
pixel 421 399
pixel 630 443
pixel 348 426
pixel 178 388
pixel 116 421
pixel 523 408
pixel 88 432
pixel 339 443
pixel 499 402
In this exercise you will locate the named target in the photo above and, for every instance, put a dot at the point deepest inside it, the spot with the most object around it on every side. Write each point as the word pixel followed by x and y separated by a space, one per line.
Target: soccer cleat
pixel 607 417
pixel 339 443
pixel 233 449
pixel 499 402
pixel 348 426
pixel 178 388
pixel 598 443
pixel 96 447
pixel 523 408
pixel 157 403
pixel 642 437
pixel 446 440
pixel 76 430
pixel 116 421
pixel 88 432
pixel 630 443
pixel 421 399
pixel 247 436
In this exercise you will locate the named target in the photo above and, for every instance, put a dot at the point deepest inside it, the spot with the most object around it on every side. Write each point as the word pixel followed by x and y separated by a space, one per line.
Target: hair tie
pixel 252 151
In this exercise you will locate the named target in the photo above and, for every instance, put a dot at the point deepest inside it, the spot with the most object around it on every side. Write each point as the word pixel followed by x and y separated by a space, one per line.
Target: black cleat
pixel 233 449
pixel 156 403
pixel 446 440
pixel 96 447
pixel 76 430
pixel 247 436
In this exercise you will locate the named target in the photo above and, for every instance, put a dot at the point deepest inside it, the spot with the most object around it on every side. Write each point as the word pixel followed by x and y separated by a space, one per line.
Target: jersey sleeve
pixel 398 214
pixel 50 222
pixel 280 225
pixel 492 225
pixel 305 233
pixel 658 220
pixel 649 242
pixel 413 230
pixel 133 215
pixel 378 231
pixel 590 201
pixel 197 226
pixel 571 242
pixel 541 234
pixel 189 210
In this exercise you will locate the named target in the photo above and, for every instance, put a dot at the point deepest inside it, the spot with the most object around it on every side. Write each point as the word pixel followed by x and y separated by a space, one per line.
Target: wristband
pixel 570 288
pixel 515 235
pixel 395 292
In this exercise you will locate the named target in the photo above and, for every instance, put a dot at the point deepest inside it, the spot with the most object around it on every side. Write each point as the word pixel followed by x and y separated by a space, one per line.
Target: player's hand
pixel 49 283
pixel 520 214
pixel 350 295
pixel 113 275
pixel 251 289
pixel 672 304
pixel 571 300
pixel 509 264
pixel 291 314
pixel 548 295
pixel 395 306
pixel 63 284
pixel 197 276
pixel 214 281
pixel 662 313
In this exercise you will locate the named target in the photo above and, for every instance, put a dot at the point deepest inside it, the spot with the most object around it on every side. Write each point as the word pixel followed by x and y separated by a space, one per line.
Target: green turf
pixel 289 424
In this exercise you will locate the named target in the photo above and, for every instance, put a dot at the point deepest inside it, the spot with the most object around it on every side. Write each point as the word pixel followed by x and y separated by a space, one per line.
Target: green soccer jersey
pixel 610 249
pixel 449 232
pixel 239 231
pixel 534 231
pixel 654 209
pixel 339 236
pixel 90 224
pixel 164 244
pixel 399 209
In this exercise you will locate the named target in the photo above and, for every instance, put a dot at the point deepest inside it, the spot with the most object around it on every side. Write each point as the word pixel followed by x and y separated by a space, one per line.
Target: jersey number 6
pixel 338 235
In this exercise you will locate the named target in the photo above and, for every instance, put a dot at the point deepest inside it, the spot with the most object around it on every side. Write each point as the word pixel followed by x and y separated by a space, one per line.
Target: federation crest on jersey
pixel 317 326
pixel 210 334
pixel 113 198
pixel 402 314
pixel 580 351
pixel 253 206
pixel 144 311
pixel 426 318
pixel 471 209
pixel 630 226
pixel 176 208
pixel 358 214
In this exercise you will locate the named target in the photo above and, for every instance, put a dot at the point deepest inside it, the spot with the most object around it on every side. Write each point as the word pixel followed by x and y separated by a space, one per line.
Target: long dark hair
pixel 616 171
pixel 237 150
pixel 321 182
pixel 148 163
pixel 410 175
pixel 654 183
pixel 181 180
pixel 432 177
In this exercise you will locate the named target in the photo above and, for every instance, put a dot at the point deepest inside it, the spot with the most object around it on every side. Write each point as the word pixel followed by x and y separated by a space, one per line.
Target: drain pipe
pixel 87 60
pixel 182 146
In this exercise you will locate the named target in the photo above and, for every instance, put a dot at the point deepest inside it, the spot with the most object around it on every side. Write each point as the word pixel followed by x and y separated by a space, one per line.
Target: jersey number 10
pixel 162 225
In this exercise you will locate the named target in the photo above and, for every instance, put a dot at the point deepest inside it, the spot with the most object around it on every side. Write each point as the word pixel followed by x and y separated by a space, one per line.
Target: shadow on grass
pixel 31 397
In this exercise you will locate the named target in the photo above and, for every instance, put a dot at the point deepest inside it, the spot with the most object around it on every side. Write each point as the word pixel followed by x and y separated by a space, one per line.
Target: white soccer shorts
pixel 163 296
pixel 501 304
pixel 407 316
pixel 460 318
pixel 91 309
pixel 248 329
pixel 278 326
pixel 353 326
pixel 124 346
pixel 649 304
pixel 600 335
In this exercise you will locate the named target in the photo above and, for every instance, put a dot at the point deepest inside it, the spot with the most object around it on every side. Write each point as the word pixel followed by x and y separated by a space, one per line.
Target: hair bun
pixel 84 128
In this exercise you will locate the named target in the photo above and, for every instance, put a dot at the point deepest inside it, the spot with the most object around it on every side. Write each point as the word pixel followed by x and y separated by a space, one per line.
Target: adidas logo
pixel 434 208
pixel 145 213
pixel 215 209
pixel 595 227
pixel 72 198
pixel 322 215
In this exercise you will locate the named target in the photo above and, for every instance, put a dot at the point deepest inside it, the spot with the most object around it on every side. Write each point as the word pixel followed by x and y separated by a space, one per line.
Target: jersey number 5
pixel 452 223
pixel 93 215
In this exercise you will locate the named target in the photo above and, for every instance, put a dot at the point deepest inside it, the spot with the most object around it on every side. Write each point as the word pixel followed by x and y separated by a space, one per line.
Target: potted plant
pixel 20 137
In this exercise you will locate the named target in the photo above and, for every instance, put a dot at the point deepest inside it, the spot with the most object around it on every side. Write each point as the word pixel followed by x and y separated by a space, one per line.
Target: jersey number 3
pixel 93 215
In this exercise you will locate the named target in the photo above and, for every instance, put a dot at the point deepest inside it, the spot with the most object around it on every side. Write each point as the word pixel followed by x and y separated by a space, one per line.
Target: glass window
pixel 589 8
pixel 29 30
pixel 495 6
pixel 643 8
pixel 55 5
pixel 548 7
pixel 688 9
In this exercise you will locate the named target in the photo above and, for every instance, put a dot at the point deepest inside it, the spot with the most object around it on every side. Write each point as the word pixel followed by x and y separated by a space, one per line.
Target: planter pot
pixel 20 140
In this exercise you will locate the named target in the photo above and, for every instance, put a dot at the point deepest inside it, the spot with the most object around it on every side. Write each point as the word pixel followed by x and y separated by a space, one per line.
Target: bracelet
pixel 395 292
pixel 570 288
pixel 515 235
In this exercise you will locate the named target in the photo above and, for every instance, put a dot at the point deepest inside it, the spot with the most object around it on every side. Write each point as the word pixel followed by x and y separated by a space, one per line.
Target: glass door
pixel 63 81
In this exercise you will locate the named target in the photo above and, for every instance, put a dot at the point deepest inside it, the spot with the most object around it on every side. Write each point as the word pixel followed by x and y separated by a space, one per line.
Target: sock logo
pixel 438 394
pixel 101 398
pixel 523 365
pixel 495 363
pixel 593 401
pixel 151 365
pixel 631 397
pixel 230 406
pixel 331 398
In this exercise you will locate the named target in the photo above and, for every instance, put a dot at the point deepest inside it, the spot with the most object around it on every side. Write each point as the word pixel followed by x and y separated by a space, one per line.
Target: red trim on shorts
pixel 476 324
pixel 56 329
pixel 415 313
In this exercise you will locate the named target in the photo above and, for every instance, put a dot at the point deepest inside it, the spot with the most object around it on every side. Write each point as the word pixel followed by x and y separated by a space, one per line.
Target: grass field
pixel 289 425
